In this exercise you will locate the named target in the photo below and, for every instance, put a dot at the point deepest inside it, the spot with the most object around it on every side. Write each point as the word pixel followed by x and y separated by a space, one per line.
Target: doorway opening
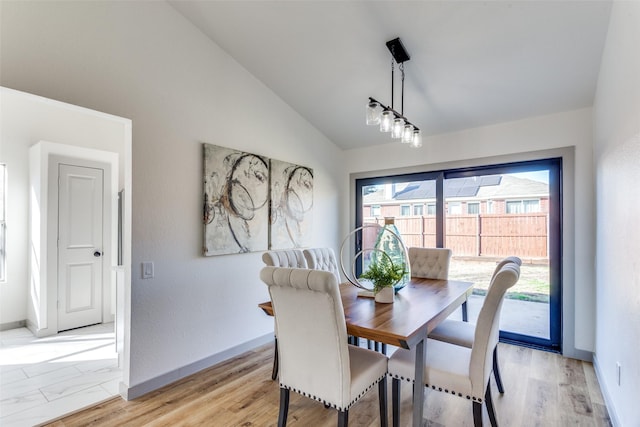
pixel 484 214
pixel 81 247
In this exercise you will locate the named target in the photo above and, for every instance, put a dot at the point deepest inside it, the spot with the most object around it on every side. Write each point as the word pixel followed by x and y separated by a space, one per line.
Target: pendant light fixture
pixel 387 117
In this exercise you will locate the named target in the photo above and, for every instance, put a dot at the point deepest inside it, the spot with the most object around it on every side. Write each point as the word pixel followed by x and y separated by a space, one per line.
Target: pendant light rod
pixel 402 90
pixel 392 80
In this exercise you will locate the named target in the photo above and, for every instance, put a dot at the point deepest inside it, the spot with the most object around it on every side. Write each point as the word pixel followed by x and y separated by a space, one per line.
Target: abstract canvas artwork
pixel 236 201
pixel 291 205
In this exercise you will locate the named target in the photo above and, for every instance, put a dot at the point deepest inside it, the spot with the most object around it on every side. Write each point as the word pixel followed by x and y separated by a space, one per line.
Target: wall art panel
pixel 291 205
pixel 236 201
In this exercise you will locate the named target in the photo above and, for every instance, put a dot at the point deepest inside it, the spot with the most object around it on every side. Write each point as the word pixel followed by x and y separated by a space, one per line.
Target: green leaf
pixel 383 273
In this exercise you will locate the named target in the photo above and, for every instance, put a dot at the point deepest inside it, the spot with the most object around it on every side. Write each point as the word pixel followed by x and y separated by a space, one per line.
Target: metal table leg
pixel 418 384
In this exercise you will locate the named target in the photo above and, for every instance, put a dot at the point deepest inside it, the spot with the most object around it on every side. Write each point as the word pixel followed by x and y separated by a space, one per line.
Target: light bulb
pixel 416 142
pixel 407 134
pixel 386 121
pixel 398 128
pixel 373 113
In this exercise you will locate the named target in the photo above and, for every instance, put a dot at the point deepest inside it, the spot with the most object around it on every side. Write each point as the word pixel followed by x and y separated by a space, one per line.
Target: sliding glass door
pixel 484 214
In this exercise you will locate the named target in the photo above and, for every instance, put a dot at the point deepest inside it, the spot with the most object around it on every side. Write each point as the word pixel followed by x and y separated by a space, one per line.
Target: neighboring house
pixel 477 211
pixel 492 194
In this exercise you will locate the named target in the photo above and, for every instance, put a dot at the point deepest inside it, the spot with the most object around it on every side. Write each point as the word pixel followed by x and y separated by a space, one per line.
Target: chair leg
pixel 395 401
pixel 284 407
pixel 382 400
pixel 496 371
pixel 490 408
pixel 274 371
pixel 343 418
pixel 477 414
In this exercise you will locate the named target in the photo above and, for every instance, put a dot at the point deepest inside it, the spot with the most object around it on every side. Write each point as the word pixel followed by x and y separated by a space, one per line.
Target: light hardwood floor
pixel 541 389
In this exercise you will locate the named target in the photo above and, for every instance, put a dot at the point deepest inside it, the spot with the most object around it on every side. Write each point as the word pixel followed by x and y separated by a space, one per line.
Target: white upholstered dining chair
pixel 458 370
pixel 462 333
pixel 429 263
pixel 315 359
pixel 285 258
pixel 322 259
pixel 325 259
pixel 282 258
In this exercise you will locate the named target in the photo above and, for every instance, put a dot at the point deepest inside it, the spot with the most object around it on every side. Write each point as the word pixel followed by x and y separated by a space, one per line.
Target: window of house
pixel 514 206
pixel 489 206
pixel 522 206
pixel 473 208
pixel 405 210
pixel 418 210
pixel 531 206
pixel 3 203
pixel 375 210
pixel 431 209
pixel 454 208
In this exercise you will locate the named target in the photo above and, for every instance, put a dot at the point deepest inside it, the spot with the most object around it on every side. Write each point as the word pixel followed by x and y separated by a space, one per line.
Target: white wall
pixel 617 159
pixel 515 141
pixel 143 61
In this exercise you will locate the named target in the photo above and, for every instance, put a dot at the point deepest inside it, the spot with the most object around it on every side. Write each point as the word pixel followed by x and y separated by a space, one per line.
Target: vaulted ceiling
pixel 473 63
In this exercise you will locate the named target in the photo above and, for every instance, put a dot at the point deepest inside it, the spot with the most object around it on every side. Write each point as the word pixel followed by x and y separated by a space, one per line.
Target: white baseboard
pixel 13 325
pixel 574 353
pixel 130 393
pixel 611 409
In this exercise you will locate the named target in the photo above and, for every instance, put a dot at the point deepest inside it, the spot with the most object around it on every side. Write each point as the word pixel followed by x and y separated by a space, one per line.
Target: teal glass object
pixel 390 242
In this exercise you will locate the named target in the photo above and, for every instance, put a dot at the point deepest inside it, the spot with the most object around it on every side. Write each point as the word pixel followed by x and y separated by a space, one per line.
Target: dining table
pixel 416 310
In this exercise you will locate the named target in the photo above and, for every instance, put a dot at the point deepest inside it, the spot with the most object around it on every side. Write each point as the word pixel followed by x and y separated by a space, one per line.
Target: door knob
pixel 97 254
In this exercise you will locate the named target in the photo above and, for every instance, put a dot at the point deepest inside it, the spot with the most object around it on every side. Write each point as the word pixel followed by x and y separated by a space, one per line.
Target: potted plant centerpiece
pixel 383 273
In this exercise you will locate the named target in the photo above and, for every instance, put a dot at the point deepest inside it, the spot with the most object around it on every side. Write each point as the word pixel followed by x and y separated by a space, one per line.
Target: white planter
pixel 385 295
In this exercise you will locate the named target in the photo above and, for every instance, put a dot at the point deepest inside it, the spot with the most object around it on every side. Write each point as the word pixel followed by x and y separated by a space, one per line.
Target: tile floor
pixel 42 379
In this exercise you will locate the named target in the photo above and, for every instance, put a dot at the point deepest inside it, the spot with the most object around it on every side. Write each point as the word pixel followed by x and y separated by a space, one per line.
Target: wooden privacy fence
pixel 525 235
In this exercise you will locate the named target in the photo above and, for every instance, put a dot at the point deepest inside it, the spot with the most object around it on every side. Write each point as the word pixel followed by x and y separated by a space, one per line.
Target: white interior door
pixel 80 249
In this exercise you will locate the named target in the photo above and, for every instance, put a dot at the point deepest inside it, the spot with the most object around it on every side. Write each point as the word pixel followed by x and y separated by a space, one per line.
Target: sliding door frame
pixel 554 166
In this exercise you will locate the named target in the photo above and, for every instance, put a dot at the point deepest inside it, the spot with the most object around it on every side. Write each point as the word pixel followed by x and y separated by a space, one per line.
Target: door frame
pixel 568 186
pixel 554 166
pixel 109 233
pixel 44 160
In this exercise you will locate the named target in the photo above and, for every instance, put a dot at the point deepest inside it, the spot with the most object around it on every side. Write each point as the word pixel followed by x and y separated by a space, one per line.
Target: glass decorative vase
pixel 390 242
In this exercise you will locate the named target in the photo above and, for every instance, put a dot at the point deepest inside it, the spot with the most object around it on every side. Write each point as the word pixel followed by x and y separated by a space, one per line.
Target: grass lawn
pixel 532 286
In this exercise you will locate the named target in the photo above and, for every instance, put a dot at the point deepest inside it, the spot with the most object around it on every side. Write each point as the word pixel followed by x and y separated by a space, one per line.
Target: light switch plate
pixel 147 270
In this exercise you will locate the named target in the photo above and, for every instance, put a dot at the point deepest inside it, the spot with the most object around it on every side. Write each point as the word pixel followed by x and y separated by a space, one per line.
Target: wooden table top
pixel 417 309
